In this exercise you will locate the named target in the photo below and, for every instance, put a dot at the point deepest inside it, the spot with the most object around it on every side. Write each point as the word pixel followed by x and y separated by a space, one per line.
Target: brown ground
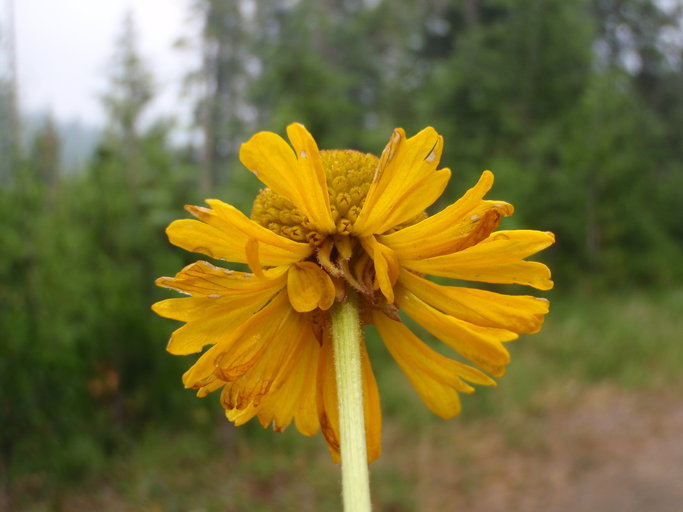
pixel 604 451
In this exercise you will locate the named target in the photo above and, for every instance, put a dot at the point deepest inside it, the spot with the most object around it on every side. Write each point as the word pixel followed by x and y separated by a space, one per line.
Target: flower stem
pixel 347 339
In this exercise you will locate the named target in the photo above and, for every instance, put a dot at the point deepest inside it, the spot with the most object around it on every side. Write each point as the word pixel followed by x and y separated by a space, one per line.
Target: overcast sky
pixel 64 46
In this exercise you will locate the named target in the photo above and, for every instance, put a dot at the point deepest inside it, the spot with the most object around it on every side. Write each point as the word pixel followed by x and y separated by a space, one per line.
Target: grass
pixel 628 341
pixel 632 340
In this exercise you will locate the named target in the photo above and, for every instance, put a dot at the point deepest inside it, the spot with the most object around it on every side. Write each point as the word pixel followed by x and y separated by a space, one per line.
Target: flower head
pixel 336 222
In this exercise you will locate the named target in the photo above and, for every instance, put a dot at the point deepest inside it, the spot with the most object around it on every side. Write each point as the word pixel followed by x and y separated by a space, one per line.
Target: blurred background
pixel 113 116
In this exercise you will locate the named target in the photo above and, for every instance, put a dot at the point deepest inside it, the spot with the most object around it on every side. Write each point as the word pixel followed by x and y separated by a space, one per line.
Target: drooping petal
pixel 296 393
pixel 328 409
pixel 221 300
pixel 328 406
pixel 516 313
pixel 436 378
pixel 386 266
pixel 241 416
pixel 292 396
pixel 295 174
pixel 253 256
pixel 239 349
pixel 309 287
pixel 372 408
pixel 212 384
pixel 481 345
pixel 255 384
pixel 405 184
pixel 498 259
pixel 209 321
pixel 466 222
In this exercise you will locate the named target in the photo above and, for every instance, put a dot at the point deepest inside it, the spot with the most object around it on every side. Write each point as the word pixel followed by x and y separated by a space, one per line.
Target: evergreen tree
pixel 222 111
pixel 9 110
pixel 46 154
pixel 81 353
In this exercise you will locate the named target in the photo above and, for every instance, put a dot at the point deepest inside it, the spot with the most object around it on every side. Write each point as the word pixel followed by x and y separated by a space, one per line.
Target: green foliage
pixel 614 230
pixel 80 355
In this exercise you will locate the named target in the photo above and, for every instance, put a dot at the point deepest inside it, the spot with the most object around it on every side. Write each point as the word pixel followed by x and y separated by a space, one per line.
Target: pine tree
pixel 221 113
pixel 46 154
pixel 131 90
pixel 9 109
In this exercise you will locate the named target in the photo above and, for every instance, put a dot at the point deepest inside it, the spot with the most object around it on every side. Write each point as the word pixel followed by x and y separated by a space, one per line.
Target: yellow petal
pixel 478 344
pixel 211 385
pixel 517 313
pixel 312 176
pixel 466 222
pixel 206 280
pixel 240 416
pixel 196 236
pixel 327 398
pixel 222 300
pixel 329 408
pixel 274 355
pixel 209 321
pixel 386 266
pixel 405 184
pixel 187 309
pixel 436 378
pixel 226 234
pixel 306 415
pixel 295 174
pixel 227 238
pixel 309 287
pixel 294 394
pixel 498 259
pixel 251 252
pixel 239 348
pixel 372 409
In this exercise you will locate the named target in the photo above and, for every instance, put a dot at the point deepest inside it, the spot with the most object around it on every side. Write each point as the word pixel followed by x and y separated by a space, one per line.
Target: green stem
pixel 347 339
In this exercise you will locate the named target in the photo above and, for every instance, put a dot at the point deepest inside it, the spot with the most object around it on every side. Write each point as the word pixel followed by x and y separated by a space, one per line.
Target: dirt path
pixel 605 451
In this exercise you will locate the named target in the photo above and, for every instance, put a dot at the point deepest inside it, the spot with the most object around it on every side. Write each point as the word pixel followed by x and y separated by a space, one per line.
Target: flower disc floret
pixel 348 175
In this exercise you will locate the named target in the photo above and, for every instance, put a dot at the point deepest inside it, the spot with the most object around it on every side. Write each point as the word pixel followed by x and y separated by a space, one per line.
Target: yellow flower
pixel 328 223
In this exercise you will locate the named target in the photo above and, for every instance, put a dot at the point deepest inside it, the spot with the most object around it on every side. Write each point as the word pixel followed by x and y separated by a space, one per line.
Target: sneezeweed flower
pixel 332 224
